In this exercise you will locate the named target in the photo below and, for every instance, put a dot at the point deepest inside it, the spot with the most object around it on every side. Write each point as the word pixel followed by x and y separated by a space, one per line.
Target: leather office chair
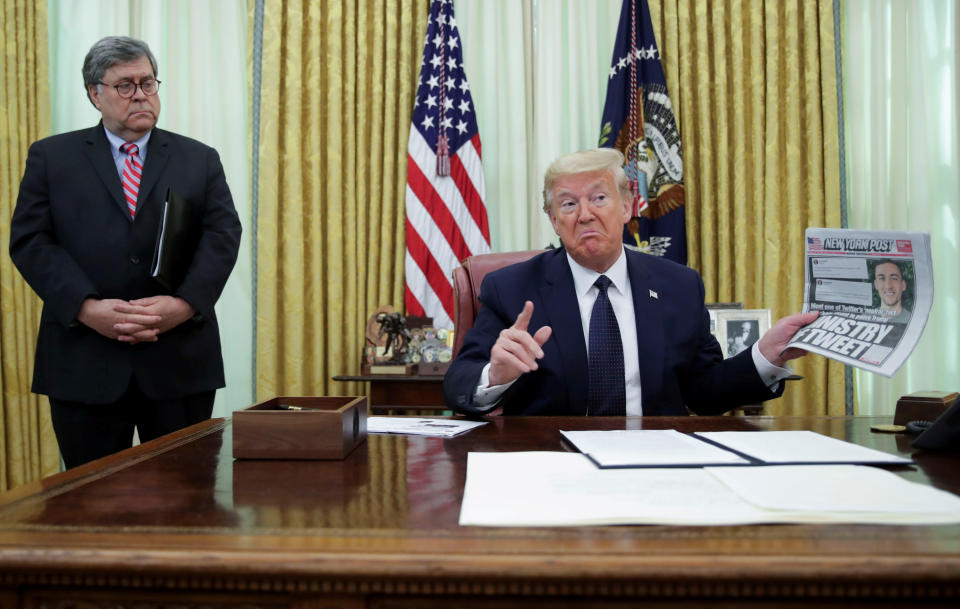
pixel 466 287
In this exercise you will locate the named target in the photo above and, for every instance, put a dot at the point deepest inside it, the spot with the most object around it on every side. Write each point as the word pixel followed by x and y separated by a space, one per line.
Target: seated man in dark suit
pixel 616 332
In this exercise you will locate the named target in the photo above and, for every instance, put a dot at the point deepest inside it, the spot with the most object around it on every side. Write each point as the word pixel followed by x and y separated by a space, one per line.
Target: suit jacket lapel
pixel 650 333
pixel 157 155
pixel 563 313
pixel 98 151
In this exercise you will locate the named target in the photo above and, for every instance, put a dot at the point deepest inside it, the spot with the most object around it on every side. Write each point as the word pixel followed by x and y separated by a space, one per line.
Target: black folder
pixel 177 238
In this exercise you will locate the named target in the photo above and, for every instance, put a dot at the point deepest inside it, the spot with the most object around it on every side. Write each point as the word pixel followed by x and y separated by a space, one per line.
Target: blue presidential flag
pixel 638 120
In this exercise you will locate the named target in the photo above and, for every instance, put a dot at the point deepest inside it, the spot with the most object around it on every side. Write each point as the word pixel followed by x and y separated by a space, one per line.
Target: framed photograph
pixel 713 307
pixel 737 330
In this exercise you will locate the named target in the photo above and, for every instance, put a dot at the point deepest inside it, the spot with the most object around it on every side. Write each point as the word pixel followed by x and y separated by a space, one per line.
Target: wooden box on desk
pixel 325 428
pixel 923 406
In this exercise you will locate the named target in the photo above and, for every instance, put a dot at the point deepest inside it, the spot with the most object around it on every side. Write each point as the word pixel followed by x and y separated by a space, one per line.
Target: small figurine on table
pixel 398 337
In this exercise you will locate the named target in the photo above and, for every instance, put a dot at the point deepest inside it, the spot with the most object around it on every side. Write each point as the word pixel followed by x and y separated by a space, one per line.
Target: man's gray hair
pixel 108 52
pixel 586 161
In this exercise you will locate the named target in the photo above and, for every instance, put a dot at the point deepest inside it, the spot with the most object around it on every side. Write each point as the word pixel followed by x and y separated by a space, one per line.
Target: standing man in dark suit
pixel 614 332
pixel 115 350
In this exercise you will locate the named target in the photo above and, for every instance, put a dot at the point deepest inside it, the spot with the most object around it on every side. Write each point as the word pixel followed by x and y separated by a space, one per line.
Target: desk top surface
pixel 182 505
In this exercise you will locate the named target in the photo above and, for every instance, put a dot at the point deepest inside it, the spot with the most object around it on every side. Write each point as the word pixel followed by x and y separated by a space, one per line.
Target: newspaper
pixel 874 290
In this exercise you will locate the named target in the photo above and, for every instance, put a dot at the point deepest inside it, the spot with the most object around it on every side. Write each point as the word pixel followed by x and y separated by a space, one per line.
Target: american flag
pixel 446 216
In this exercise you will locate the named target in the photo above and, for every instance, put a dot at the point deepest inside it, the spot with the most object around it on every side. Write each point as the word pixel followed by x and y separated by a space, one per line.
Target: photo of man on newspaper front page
pixel 874 290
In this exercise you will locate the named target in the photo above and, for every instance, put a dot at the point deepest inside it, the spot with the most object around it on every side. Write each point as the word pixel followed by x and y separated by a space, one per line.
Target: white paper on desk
pixel 648 447
pixel 798 447
pixel 834 488
pixel 566 489
pixel 421 426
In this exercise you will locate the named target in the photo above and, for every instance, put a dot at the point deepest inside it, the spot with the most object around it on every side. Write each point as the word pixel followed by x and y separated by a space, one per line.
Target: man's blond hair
pixel 585 161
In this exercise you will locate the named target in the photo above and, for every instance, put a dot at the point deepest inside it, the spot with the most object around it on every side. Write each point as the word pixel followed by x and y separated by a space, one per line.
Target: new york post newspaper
pixel 874 290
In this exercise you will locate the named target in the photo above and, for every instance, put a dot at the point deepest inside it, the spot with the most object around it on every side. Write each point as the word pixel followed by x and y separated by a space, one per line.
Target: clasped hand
pixel 516 351
pixel 134 321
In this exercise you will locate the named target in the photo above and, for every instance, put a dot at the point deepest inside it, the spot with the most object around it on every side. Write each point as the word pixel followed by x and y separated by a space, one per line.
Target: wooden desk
pixel 178 522
pixel 402 394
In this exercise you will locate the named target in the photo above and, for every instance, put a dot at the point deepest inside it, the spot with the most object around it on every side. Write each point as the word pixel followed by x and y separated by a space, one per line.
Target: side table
pixel 402 394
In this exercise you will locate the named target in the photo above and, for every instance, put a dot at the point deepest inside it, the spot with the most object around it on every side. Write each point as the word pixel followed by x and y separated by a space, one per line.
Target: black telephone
pixel 944 433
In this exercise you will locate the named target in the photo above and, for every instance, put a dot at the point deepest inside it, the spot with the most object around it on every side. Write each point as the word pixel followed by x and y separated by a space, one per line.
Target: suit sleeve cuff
pixel 484 394
pixel 770 374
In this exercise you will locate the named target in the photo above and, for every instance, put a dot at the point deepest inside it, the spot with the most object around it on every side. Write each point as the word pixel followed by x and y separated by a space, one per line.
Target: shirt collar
pixel 583 278
pixel 116 141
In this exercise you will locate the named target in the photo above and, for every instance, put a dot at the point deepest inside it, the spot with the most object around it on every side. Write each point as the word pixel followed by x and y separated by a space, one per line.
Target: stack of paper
pixel 421 426
pixel 785 447
pixel 649 448
pixel 670 448
pixel 567 489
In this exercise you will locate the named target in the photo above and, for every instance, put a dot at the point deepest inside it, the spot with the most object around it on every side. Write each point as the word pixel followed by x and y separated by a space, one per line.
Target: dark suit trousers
pixel 86 432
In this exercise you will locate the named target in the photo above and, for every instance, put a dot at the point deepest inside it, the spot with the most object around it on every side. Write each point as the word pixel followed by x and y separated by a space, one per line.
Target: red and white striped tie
pixel 132 168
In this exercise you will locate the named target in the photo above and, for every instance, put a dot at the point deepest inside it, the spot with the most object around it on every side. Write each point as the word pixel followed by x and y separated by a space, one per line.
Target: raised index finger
pixel 523 320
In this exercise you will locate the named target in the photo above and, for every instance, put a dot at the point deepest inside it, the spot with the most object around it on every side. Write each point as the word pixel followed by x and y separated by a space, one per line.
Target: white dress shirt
pixel 119 158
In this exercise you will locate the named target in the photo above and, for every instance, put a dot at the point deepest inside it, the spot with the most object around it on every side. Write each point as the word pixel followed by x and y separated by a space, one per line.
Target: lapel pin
pixel 653 294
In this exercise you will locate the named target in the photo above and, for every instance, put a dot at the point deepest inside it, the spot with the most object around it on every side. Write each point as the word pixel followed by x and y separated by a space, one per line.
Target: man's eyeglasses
pixel 128 89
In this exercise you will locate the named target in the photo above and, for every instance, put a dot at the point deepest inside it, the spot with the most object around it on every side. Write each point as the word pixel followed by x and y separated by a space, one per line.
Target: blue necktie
pixel 607 389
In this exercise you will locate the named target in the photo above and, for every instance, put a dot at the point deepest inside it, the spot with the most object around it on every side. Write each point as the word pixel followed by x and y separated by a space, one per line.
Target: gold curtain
pixel 755 92
pixel 28 448
pixel 337 89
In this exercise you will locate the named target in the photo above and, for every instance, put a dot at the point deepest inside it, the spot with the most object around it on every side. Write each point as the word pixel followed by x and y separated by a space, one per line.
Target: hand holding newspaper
pixel 874 291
